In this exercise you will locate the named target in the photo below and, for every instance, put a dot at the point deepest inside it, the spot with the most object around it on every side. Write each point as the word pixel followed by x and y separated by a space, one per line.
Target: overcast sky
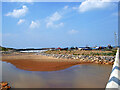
pixel 60 24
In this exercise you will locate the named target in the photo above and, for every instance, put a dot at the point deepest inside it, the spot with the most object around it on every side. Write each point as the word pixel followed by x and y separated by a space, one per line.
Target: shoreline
pixel 50 62
pixel 83 58
pixel 60 57
pixel 38 62
pixel 34 62
pixel 80 72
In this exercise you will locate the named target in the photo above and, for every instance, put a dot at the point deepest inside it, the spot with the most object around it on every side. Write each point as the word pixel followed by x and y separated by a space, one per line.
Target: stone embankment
pixel 84 58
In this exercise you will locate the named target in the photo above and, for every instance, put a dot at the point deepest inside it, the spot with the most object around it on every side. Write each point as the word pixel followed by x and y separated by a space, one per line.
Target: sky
pixel 58 24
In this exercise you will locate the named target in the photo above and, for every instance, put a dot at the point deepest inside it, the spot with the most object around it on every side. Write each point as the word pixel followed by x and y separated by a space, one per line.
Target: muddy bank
pixel 40 63
pixel 31 65
pixel 50 62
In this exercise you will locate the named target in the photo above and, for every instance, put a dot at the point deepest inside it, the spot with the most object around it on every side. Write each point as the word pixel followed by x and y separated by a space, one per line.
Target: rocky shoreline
pixel 84 58
pixel 4 86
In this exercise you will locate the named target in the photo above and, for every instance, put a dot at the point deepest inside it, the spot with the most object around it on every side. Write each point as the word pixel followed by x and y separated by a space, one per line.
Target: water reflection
pixel 78 76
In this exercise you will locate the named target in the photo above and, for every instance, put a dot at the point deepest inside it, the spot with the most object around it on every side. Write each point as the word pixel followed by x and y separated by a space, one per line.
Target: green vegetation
pixel 5 49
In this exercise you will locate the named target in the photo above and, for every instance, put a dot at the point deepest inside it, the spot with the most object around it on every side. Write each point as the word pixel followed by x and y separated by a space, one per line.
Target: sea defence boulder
pixel 92 59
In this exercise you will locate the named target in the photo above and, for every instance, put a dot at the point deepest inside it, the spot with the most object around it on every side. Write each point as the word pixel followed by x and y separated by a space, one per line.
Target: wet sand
pixel 40 63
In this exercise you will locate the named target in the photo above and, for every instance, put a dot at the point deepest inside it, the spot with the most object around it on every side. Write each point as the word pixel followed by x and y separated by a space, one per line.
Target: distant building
pixel 95 48
pixel 64 48
pixel 100 48
pixel 80 48
pixel 58 48
pixel 109 46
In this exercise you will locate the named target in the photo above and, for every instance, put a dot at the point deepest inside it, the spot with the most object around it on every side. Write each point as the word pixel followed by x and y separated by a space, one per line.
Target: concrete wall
pixel 114 80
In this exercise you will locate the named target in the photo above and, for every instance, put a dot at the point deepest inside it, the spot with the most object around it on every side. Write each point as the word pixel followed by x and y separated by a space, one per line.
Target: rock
pixel 96 62
pixel 93 59
pixel 4 86
pixel 107 63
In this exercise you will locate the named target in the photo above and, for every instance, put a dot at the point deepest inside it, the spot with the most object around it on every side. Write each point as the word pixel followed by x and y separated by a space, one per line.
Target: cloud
pixel 18 12
pixel 52 25
pixel 21 21
pixel 53 19
pixel 34 24
pixel 65 7
pixel 73 31
pixel 93 4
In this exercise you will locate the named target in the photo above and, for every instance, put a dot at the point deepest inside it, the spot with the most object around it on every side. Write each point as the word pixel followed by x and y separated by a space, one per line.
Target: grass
pixel 5 49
